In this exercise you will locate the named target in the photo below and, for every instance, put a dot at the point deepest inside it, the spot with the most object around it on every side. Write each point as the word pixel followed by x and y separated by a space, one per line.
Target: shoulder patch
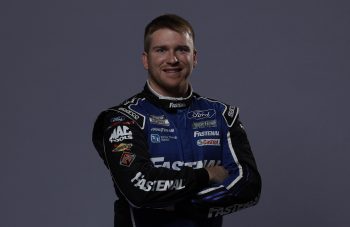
pixel 126 110
pixel 230 114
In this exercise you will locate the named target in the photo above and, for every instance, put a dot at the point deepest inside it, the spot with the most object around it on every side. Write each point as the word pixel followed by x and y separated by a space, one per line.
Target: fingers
pixel 217 174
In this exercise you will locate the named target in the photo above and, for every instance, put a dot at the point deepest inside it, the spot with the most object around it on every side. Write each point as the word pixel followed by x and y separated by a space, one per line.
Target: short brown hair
pixel 170 21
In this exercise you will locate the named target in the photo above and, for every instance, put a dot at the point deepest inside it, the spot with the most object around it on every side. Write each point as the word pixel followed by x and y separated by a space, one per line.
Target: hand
pixel 217 174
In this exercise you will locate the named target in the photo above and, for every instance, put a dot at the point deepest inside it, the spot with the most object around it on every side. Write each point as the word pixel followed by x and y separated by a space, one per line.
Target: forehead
pixel 168 37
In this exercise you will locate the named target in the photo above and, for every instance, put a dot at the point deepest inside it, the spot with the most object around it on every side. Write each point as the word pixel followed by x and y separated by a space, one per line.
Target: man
pixel 176 158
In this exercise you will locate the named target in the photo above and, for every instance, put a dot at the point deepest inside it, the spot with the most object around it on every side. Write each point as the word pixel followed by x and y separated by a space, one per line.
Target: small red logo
pixel 126 159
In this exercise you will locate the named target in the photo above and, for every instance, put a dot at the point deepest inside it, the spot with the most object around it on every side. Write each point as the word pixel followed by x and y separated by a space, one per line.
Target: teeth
pixel 172 70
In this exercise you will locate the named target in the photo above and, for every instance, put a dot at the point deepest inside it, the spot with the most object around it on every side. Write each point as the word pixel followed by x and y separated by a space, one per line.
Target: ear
pixel 145 60
pixel 195 58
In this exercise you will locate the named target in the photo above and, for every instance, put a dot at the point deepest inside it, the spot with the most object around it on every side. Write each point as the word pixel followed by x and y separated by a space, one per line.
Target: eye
pixel 160 50
pixel 183 49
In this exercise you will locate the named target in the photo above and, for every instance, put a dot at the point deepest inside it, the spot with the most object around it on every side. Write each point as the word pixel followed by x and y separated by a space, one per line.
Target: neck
pixel 170 94
pixel 167 102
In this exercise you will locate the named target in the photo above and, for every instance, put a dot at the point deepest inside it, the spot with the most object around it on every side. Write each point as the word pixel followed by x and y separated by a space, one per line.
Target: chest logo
pixel 201 114
pixel 208 142
pixel 159 120
pixel 204 124
pixel 155 138
pixel 206 133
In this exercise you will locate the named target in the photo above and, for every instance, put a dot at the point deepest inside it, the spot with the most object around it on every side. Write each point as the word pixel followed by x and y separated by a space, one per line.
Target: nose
pixel 172 59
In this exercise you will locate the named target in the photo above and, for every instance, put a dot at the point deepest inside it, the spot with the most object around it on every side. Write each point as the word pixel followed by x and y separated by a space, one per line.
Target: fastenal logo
pixel 146 185
pixel 201 114
pixel 220 211
pixel 206 133
pixel 208 142
pixel 177 105
pixel 177 165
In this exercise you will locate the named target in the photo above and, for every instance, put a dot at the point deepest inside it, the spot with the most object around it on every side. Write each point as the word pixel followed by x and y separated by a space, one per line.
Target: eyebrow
pixel 160 46
pixel 166 47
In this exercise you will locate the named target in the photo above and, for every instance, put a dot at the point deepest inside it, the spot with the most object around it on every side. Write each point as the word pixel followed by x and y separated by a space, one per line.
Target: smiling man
pixel 169 59
pixel 176 158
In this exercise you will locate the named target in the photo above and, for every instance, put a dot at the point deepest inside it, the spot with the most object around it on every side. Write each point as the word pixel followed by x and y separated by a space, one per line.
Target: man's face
pixel 170 61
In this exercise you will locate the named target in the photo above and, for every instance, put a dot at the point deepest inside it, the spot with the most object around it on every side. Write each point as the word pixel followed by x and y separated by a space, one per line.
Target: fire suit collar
pixel 166 102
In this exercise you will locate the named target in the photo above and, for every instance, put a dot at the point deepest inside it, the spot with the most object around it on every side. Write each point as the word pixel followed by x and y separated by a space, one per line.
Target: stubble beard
pixel 168 89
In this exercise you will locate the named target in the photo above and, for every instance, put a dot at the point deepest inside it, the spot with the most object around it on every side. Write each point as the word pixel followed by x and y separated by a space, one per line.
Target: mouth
pixel 172 70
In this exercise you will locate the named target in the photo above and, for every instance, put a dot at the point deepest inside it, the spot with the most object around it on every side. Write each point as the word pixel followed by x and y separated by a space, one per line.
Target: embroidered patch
pixel 122 147
pixel 126 159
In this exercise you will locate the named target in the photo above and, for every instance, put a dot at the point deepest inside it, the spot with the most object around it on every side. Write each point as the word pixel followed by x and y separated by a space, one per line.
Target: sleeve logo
pixel 120 133
pixel 126 159
pixel 143 184
pixel 122 147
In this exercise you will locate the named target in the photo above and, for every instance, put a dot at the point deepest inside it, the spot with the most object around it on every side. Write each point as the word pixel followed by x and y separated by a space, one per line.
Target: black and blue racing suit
pixel 156 149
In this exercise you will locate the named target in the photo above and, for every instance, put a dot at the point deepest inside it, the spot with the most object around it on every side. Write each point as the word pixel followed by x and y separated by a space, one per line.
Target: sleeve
pixel 122 145
pixel 243 186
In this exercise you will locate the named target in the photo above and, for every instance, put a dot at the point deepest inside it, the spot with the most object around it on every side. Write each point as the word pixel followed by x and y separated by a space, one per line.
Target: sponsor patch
pixel 231 111
pixel 122 147
pixel 177 165
pixel 201 114
pixel 127 158
pixel 204 124
pixel 117 119
pixel 143 184
pixel 208 142
pixel 159 120
pixel 120 133
pixel 220 211
pixel 131 113
pixel 166 130
pixel 205 133
pixel 177 105
pixel 230 115
pixel 123 123
pixel 156 138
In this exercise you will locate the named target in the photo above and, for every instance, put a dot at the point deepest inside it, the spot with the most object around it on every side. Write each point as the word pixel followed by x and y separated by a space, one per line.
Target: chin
pixel 175 83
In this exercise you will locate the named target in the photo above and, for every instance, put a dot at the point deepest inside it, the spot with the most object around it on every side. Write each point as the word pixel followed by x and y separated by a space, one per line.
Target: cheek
pixel 155 61
pixel 190 62
pixel 188 58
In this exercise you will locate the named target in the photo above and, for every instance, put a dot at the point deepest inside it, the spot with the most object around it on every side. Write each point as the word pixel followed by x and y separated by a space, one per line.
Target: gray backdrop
pixel 284 63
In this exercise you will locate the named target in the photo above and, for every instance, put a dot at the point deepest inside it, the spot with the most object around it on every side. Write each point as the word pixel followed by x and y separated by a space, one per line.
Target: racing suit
pixel 156 149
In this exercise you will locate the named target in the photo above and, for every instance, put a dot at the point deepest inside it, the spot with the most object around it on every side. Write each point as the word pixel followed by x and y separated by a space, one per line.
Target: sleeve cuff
pixel 201 177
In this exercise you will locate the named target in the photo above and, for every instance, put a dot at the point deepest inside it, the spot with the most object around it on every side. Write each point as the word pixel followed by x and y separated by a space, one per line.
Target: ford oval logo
pixel 201 114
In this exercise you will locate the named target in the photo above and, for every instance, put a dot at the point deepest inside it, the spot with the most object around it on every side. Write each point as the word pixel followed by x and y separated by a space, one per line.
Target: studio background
pixel 284 63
